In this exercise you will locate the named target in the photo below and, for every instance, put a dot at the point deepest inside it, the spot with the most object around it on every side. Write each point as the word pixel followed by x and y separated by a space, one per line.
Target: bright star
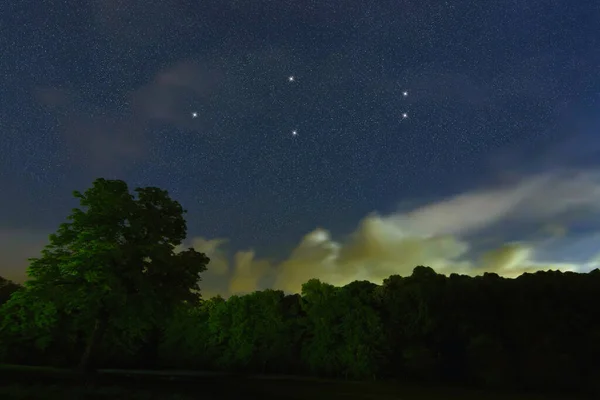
pixel 294 133
pixel 404 115
pixel 194 114
pixel 404 94
pixel 291 79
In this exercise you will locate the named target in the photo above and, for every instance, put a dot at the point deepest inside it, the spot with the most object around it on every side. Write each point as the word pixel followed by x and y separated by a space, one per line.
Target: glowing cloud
pixel 435 234
pixel 439 234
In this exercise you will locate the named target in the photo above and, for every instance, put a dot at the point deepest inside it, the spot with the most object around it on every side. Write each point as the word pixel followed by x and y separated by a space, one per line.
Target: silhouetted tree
pixel 7 288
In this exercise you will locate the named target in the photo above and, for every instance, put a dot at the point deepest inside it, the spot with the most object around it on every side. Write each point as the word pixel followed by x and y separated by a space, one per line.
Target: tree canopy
pixel 112 278
pixel 112 267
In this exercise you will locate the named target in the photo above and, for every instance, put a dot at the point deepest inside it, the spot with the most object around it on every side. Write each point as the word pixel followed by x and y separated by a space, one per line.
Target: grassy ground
pixel 32 383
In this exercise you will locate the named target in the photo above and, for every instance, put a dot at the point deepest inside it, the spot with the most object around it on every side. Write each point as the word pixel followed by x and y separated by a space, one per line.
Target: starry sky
pixel 337 140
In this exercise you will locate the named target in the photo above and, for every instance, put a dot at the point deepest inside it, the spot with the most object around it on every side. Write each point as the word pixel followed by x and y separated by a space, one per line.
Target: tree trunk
pixel 86 363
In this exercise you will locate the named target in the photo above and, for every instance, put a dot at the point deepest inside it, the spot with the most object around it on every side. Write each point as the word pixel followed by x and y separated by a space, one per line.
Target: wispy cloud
pixel 444 234
pixel 106 138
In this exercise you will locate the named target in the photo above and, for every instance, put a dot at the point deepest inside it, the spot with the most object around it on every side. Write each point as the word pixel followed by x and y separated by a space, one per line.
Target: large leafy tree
pixel 113 267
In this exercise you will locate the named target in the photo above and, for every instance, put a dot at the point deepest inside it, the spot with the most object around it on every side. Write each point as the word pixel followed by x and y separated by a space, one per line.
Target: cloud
pixel 216 279
pixel 105 139
pixel 169 95
pixel 513 259
pixel 440 234
pixel 376 250
pixel 214 250
pixel 554 230
pixel 542 198
pixel 247 273
pixel 444 235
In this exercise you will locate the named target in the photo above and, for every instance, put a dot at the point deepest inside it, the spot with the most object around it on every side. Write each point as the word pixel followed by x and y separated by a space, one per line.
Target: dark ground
pixel 34 383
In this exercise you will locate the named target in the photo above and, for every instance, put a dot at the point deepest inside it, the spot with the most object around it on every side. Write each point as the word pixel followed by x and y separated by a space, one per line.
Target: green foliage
pixel 345 333
pixel 27 321
pixel 113 263
pixel 322 347
pixel 249 332
pixel 110 278
pixel 258 329
pixel 364 346
pixel 186 339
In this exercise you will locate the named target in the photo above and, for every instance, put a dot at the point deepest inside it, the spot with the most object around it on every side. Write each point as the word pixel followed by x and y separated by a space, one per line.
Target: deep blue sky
pixel 496 91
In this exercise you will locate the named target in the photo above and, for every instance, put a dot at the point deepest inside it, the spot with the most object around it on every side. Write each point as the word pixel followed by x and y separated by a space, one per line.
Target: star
pixel 194 114
pixel 404 115
pixel 294 133
pixel 404 93
pixel 291 78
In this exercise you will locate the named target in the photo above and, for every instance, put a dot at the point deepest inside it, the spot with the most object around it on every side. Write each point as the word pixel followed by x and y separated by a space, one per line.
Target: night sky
pixel 339 140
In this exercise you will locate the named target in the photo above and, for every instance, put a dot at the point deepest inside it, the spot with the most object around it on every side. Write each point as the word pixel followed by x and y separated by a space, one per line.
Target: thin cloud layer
pixel 540 199
pixel 106 139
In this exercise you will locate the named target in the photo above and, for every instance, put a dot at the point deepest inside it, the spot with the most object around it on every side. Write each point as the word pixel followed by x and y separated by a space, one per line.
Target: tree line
pixel 112 290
